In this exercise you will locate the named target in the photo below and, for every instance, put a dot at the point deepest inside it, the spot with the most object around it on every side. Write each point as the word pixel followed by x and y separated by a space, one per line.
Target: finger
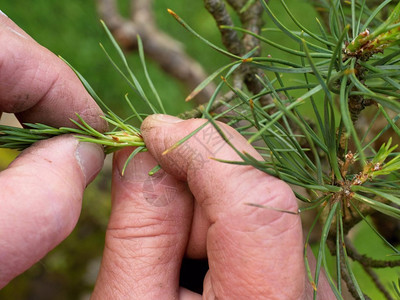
pixel 11 26
pixel 40 200
pixel 37 86
pixel 248 248
pixel 147 233
pixel 185 294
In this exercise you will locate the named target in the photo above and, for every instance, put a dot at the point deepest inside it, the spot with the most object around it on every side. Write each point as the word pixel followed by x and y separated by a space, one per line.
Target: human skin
pixel 195 206
pixel 253 253
pixel 41 191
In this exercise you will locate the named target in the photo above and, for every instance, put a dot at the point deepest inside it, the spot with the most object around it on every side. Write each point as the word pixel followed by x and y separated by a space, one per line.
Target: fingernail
pixel 16 32
pixel 166 118
pixel 90 158
pixel 2 13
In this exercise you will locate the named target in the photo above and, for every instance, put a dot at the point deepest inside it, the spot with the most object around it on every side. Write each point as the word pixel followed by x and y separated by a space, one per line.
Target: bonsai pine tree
pixel 330 130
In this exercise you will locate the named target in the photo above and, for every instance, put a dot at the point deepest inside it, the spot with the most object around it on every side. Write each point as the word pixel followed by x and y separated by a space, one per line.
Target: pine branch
pixel 22 138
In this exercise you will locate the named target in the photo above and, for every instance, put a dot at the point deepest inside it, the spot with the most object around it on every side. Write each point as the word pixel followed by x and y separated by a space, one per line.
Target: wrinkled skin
pixel 195 206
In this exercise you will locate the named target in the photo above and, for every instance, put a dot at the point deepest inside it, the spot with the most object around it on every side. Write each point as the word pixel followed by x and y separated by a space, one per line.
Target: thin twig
pixel 251 19
pixel 343 270
pixel 368 263
pixel 197 112
pixel 229 37
pixel 377 282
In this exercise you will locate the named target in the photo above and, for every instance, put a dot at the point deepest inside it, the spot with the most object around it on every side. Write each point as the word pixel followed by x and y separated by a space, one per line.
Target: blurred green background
pixel 72 29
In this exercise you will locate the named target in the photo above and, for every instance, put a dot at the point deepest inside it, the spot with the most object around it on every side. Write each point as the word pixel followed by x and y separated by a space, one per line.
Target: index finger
pixel 251 251
pixel 38 86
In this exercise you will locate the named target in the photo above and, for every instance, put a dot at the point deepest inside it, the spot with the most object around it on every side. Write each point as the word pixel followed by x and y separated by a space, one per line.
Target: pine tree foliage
pixel 307 130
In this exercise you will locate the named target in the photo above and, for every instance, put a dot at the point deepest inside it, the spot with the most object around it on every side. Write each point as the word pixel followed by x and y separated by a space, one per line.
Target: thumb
pixel 40 200
pixel 147 232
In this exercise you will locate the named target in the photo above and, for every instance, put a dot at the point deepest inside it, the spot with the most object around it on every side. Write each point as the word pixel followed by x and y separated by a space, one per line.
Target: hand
pixel 41 191
pixel 196 206
pixel 197 209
